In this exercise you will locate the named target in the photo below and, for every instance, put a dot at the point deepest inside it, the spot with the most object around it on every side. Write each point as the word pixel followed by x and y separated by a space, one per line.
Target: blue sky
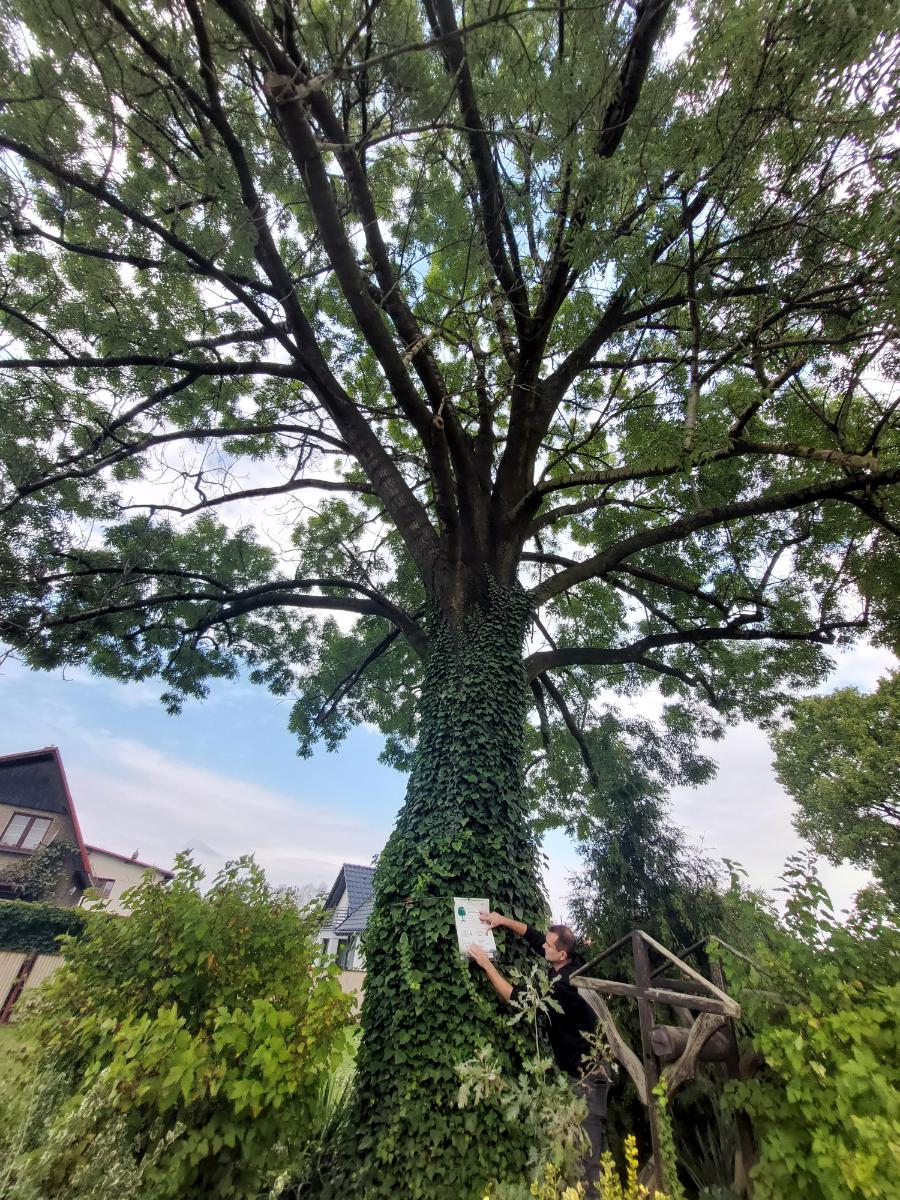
pixel 223 778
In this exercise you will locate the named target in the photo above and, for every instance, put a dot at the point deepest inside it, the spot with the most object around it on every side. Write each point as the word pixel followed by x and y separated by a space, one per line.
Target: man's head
pixel 559 945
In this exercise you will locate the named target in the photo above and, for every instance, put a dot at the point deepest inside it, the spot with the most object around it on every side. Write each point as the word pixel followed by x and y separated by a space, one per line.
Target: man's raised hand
pixel 492 918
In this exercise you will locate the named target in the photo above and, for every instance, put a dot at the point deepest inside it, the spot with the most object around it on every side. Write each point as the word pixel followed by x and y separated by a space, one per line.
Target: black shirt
pixel 566 1029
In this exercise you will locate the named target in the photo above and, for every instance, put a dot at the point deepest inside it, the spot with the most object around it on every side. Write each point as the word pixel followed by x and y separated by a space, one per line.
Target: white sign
pixel 469 928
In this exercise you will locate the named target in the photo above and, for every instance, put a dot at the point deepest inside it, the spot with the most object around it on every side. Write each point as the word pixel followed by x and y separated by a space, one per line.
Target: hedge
pixel 33 928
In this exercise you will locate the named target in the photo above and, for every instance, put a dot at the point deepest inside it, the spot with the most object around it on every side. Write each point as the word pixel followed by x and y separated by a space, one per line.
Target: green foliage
pixel 181 1050
pixel 667 1142
pixel 539 1100
pixel 30 927
pixel 577 301
pixel 463 830
pixel 839 758
pixel 38 877
pixel 824 1007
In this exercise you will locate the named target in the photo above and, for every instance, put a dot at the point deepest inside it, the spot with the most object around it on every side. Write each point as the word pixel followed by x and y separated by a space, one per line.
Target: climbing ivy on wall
pixel 463 826
pixel 38 876
pixel 34 928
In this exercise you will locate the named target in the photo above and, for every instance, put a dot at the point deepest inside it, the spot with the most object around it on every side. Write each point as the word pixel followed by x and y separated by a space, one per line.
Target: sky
pixel 224 779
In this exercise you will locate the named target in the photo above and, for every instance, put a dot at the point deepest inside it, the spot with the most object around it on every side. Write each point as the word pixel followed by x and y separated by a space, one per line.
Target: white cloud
pixel 130 795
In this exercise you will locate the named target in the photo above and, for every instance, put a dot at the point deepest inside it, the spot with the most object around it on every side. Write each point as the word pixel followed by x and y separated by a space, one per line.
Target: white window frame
pixel 30 819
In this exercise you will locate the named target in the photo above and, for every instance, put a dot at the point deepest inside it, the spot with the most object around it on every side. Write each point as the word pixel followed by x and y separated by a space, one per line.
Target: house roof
pixel 358 883
pixel 36 779
pixel 356 921
pixel 128 858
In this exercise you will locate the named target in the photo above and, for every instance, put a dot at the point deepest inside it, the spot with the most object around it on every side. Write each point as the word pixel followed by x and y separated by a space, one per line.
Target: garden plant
pixel 450 367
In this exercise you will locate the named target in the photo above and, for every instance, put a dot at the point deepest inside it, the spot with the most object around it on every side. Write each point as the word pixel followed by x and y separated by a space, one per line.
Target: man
pixel 568 1029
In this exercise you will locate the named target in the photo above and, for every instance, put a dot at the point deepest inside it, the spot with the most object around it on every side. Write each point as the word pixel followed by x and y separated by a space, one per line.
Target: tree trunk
pixel 463 831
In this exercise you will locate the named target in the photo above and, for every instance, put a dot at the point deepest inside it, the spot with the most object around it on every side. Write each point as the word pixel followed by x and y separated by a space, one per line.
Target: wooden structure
pixel 705 1033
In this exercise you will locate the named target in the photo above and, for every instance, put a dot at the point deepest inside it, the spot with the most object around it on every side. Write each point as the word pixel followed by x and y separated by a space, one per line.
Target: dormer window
pixel 25 832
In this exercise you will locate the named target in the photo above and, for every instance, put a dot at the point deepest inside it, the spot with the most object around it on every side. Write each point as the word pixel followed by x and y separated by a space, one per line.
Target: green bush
pixel 826 1107
pixel 179 1052
pixel 28 928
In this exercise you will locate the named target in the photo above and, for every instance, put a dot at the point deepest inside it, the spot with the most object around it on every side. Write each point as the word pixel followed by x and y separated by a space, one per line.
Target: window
pixel 25 832
pixel 104 887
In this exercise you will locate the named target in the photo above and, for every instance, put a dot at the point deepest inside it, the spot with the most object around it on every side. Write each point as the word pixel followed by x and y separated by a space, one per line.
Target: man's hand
pixel 480 955
pixel 501 986
pixel 492 918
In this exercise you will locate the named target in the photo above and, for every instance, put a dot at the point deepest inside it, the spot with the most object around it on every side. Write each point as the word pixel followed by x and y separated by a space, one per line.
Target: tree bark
pixel 463 831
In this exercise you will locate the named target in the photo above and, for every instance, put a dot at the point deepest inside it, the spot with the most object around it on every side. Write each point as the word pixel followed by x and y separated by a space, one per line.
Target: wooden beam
pixel 621 1051
pixel 689 971
pixel 669 1041
pixel 603 954
pixel 651 1072
pixel 612 987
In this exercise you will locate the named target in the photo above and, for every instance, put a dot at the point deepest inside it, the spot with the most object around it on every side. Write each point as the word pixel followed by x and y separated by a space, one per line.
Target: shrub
pixel 27 927
pixel 826 1108
pixel 182 1050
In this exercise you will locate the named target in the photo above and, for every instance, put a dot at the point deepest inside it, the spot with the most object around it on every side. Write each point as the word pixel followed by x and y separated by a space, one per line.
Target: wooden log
pixel 621 1051
pixel 612 987
pixel 685 1066
pixel 669 1042
pixel 689 986
pixel 651 1071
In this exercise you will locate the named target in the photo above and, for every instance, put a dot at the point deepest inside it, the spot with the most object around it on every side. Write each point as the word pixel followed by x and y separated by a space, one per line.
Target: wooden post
pixel 746 1155
pixel 651 1073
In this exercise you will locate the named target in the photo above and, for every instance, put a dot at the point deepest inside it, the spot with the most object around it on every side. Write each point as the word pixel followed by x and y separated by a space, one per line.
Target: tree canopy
pixel 404 355
pixel 347 308
pixel 839 758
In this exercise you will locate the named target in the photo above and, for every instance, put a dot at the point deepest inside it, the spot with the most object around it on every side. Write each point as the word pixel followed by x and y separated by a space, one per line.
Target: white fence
pixel 17 978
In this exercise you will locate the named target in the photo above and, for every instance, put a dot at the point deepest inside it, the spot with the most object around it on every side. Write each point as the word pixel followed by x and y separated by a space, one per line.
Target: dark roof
pixel 356 921
pixel 36 779
pixel 33 781
pixel 358 882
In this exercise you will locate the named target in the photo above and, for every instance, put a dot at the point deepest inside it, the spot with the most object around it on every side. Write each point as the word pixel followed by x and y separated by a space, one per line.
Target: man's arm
pixel 501 986
pixel 495 920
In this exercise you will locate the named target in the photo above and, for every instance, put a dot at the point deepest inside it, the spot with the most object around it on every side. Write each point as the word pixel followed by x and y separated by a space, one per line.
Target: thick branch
pixel 635 652
pixel 599 564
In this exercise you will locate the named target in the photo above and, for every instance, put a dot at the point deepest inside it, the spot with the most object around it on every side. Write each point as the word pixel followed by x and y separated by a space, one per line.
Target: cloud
pixel 132 795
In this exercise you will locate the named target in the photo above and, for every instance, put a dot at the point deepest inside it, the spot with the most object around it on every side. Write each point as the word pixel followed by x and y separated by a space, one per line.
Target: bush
pixel 35 928
pixel 826 1108
pixel 179 1052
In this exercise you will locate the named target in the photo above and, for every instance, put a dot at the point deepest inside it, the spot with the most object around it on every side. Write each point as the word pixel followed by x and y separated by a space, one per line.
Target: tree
pixel 557 335
pixel 838 756
pixel 180 1051
pixel 821 1003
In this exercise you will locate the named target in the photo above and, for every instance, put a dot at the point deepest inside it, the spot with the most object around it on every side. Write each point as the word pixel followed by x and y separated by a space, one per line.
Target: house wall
pixel 126 874
pixel 61 829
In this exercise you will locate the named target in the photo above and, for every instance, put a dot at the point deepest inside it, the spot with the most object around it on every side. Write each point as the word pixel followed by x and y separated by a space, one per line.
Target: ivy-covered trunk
pixel 462 832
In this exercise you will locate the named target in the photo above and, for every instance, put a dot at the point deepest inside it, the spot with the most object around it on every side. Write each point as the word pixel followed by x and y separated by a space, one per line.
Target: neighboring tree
pixel 551 343
pixel 180 1051
pixel 839 757
pixel 823 1005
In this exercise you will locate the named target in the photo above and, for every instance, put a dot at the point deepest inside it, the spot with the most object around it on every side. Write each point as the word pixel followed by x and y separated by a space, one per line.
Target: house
pixel 115 873
pixel 43 855
pixel 348 906
pixel 36 812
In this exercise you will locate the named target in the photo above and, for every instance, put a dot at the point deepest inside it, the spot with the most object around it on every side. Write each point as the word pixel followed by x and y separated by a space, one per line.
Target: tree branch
pixel 599 564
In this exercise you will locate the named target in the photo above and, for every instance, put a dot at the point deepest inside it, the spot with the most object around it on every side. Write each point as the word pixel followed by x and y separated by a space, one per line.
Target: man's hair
pixel 565 938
